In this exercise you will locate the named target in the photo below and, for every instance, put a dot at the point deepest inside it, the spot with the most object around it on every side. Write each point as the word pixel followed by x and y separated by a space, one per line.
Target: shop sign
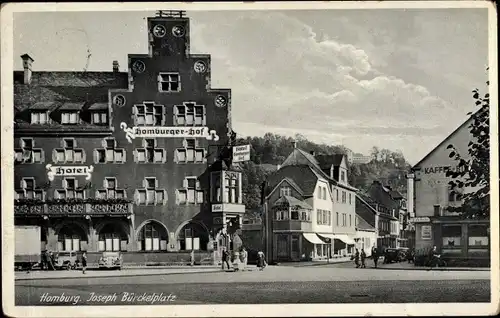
pixel 53 171
pixel 426 233
pixel 420 219
pixel 438 169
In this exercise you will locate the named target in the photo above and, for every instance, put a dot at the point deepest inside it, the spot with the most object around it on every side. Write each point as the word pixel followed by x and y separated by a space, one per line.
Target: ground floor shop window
pixel 452 236
pixel 152 237
pixel 112 238
pixel 70 238
pixel 478 240
pixel 193 237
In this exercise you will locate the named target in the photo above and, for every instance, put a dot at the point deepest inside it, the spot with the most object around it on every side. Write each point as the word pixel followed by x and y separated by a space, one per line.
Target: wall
pixel 348 208
pixel 321 204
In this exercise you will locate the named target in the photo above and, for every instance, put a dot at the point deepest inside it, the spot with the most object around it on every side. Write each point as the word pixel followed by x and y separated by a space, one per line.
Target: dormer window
pixel 100 118
pixel 70 118
pixel 39 117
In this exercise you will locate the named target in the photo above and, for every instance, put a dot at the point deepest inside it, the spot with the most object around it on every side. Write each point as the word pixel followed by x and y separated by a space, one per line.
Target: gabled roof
pixel 453 133
pixel 363 225
pixel 366 201
pixel 302 175
pixel 292 201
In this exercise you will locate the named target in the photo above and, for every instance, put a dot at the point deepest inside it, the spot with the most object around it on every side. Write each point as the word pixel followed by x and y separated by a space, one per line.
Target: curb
pixel 108 276
pixel 447 269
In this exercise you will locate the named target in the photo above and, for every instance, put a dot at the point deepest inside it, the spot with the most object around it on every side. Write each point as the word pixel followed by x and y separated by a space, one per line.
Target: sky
pixel 391 78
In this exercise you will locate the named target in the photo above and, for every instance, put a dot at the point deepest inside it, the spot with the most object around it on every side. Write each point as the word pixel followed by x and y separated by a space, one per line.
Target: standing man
pixel 356 258
pixel 225 258
pixel 433 258
pixel 375 255
pixel 363 257
pixel 244 259
pixel 84 262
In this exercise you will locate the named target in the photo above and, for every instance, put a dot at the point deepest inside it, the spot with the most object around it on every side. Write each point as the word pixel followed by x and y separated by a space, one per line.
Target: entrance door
pixel 295 248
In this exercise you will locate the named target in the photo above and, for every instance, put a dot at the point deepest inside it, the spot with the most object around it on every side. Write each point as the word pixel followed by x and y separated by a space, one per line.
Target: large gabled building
pixel 127 160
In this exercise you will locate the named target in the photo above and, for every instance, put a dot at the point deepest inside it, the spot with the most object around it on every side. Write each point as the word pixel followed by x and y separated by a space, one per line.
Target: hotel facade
pixel 127 161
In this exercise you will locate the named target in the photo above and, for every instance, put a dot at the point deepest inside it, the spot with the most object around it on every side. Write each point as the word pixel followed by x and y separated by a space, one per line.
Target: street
pixel 276 284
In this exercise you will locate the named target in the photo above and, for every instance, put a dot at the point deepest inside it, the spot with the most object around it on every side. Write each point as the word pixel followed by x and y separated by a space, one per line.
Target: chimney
pixel 294 144
pixel 116 67
pixel 27 63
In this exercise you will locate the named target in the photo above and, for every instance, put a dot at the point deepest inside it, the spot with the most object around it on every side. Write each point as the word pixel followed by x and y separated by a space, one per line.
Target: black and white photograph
pixel 313 158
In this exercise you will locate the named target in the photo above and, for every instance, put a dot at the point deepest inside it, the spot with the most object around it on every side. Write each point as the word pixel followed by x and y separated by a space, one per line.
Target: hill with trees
pixel 271 150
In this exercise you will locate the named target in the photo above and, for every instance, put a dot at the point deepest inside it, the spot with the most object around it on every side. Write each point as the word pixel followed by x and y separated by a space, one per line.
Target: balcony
pixel 91 207
pixel 292 225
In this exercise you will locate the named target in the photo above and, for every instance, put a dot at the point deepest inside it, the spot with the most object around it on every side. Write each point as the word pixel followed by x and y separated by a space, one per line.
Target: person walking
pixel 243 259
pixel 356 258
pixel 261 260
pixel 433 258
pixel 225 258
pixel 363 257
pixel 84 262
pixel 375 255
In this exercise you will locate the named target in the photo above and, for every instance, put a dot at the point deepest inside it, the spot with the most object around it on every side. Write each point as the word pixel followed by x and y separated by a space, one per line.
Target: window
pixel 337 218
pixel 69 153
pixel 189 114
pixel 344 197
pixel 151 194
pixel 150 153
pixel 337 195
pixel 152 237
pixel 350 220
pixel 70 118
pixel 190 153
pixel 454 195
pixel 27 153
pixel 28 190
pixel 342 176
pixel 109 154
pixel 319 192
pixel 231 188
pixel 280 214
pixel 191 193
pixel 452 235
pixel 478 236
pixel 99 118
pixel 112 238
pixel 285 191
pixel 323 217
pixel 110 190
pixel 70 238
pixel 169 82
pixel 324 193
pixel 350 199
pixel 149 114
pixel 344 219
pixel 70 190
pixel 39 117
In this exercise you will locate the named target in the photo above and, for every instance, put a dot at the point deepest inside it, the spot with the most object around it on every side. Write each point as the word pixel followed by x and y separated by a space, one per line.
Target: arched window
pixel 193 236
pixel 152 237
pixel 112 237
pixel 70 238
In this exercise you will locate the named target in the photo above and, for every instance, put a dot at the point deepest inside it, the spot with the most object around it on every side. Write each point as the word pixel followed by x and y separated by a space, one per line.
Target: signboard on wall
pixel 241 153
pixel 217 207
pixel 420 219
pixel 426 232
pixel 56 171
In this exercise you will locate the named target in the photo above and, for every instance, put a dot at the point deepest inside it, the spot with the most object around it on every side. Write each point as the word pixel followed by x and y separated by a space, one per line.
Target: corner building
pixel 145 195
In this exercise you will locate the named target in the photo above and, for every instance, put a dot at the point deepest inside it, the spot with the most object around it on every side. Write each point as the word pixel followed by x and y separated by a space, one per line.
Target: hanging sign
pixel 53 171
pixel 168 132
pixel 241 153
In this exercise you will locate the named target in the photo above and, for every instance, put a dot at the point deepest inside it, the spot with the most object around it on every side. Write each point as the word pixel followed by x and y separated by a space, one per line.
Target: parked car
pixel 395 255
pixel 66 260
pixel 111 260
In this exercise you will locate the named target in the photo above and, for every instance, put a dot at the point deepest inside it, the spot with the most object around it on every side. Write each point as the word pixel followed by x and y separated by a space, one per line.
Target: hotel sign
pixel 241 153
pixel 53 171
pixel 217 207
pixel 168 132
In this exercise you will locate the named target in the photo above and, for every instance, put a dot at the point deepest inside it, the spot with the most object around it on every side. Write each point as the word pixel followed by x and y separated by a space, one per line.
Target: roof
pixel 268 167
pixel 301 175
pixel 363 225
pixel 98 106
pixel 292 201
pixel 396 195
pixel 72 106
pixel 44 106
pixel 326 161
pixel 445 140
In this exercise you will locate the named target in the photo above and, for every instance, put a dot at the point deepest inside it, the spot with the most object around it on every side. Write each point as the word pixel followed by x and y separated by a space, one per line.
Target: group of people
pixel 242 261
pixel 362 256
pixel 49 261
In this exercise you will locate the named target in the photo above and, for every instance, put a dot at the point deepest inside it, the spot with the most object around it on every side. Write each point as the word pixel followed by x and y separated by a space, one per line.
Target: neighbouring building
pixel 456 238
pixel 366 235
pixel 99 169
pixel 358 158
pixel 309 206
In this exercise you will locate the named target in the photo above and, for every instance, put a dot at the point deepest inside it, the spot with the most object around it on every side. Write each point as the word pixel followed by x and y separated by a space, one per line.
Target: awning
pixel 313 238
pixel 345 238
pixel 327 235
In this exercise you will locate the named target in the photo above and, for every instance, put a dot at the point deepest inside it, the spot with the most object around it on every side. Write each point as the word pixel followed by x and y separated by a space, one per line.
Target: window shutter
pixel 124 155
pixel 185 183
pixel 42 155
pixel 175 113
pixel 84 156
pixel 198 184
pixel 156 183
pixel 204 115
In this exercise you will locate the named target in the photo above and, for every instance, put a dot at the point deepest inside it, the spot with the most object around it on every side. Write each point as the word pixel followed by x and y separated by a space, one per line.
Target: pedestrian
pixel 192 257
pixel 356 258
pixel 363 257
pixel 375 255
pixel 261 260
pixel 51 259
pixel 433 257
pixel 84 262
pixel 225 258
pixel 44 261
pixel 244 259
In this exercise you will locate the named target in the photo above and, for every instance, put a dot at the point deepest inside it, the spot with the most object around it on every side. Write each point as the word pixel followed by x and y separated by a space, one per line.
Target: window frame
pixel 161 81
pixel 154 113
pixel 185 148
pixel 69 113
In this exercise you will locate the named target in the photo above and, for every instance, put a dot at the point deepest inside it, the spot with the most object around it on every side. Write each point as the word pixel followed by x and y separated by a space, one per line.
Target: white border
pixel 458 309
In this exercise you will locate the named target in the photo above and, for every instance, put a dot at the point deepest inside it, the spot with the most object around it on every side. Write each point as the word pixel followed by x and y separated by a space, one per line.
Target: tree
pixel 473 172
